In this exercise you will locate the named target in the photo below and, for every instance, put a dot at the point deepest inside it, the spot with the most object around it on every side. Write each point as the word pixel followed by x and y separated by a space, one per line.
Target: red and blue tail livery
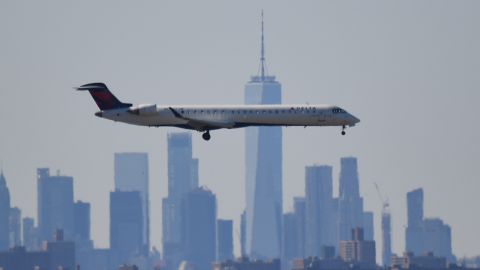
pixel 103 97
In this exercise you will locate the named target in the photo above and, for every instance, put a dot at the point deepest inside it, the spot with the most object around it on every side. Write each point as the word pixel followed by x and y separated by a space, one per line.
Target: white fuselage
pixel 210 117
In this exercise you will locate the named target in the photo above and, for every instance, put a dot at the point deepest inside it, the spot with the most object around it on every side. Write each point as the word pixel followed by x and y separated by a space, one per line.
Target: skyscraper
pixel 299 210
pixel 263 161
pixel 358 250
pixel 426 234
pixel 289 238
pixel 55 204
pixel 320 223
pixel 438 238
pixel 386 238
pixel 126 224
pixel 4 213
pixel 182 178
pixel 350 204
pixel 15 225
pixel 368 226
pixel 224 239
pixel 81 219
pixel 131 174
pixel 30 234
pixel 414 231
pixel 199 217
pixel 415 207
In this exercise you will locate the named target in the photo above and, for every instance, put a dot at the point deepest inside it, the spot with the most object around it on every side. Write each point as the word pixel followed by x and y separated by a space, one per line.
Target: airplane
pixel 204 118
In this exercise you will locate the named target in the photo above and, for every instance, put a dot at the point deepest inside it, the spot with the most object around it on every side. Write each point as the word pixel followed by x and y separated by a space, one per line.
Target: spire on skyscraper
pixel 263 64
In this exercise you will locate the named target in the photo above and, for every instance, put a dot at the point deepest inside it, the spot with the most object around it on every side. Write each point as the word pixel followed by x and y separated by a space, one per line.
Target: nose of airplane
pixel 354 119
pixel 99 114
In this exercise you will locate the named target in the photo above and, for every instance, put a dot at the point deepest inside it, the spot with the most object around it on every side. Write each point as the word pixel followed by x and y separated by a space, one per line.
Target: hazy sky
pixel 410 70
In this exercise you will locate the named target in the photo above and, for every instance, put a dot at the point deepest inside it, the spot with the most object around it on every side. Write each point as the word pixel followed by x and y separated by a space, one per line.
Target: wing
pixel 202 125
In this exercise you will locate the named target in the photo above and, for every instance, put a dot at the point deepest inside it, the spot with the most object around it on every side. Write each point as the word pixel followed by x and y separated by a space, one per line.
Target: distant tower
pixel 299 210
pixel 350 204
pixel 126 224
pixel 293 244
pixel 4 213
pixel 386 230
pixel 386 238
pixel 15 224
pixel 81 221
pixel 30 234
pixel 199 217
pixel 55 204
pixel 426 234
pixel 182 178
pixel 320 222
pixel 414 232
pixel 224 240
pixel 131 174
pixel 263 162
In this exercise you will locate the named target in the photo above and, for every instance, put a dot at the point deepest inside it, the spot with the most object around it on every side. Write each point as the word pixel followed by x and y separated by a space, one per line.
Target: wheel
pixel 343 132
pixel 206 136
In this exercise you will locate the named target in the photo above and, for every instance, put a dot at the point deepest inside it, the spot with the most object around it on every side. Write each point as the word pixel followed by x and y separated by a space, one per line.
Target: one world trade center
pixel 263 161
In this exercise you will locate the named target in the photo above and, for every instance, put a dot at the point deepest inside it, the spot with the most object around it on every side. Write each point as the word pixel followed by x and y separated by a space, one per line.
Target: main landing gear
pixel 343 130
pixel 206 136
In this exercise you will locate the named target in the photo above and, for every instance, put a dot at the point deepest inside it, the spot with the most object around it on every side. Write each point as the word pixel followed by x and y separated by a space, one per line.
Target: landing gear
pixel 206 136
pixel 343 130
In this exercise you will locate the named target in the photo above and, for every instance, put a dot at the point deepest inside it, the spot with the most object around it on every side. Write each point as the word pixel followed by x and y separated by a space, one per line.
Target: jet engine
pixel 144 109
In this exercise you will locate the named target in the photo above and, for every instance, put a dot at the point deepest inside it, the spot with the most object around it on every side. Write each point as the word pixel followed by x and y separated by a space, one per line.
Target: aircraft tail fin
pixel 103 97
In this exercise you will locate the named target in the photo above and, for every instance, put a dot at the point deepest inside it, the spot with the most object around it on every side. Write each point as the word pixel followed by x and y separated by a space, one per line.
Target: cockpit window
pixel 338 110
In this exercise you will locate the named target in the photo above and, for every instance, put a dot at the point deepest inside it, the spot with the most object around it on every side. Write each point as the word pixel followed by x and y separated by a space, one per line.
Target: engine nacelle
pixel 144 109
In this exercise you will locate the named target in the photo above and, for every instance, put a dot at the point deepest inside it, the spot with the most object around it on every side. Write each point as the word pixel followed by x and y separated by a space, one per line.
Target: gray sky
pixel 408 69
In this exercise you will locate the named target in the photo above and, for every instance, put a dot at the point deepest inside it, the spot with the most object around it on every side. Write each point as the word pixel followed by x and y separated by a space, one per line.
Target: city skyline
pixel 356 55
pixel 432 239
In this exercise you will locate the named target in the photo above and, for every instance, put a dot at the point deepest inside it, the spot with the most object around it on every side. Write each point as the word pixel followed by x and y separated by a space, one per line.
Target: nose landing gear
pixel 343 130
pixel 206 136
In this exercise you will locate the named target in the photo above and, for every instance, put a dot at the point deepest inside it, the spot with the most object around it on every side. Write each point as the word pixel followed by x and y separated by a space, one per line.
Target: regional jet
pixel 204 118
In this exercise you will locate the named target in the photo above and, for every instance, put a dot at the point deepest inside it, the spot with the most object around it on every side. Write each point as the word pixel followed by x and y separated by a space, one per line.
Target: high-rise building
pixel 358 250
pixel 263 163
pixel 15 227
pixel 289 239
pixel 61 252
pixel 55 204
pixel 18 258
pixel 182 178
pixel 30 234
pixel 299 210
pixel 368 226
pixel 424 235
pixel 320 223
pixel 386 238
pixel 224 239
pixel 126 225
pixel 414 231
pixel 81 219
pixel 438 238
pixel 131 174
pixel 243 234
pixel 4 213
pixel 199 217
pixel 81 232
pixel 415 207
pixel 350 204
